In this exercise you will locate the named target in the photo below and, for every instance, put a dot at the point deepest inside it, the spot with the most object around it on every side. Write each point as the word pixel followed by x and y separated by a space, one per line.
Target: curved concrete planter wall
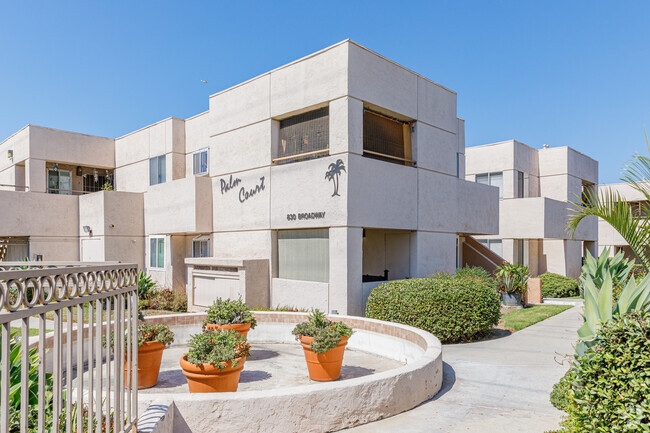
pixel 320 407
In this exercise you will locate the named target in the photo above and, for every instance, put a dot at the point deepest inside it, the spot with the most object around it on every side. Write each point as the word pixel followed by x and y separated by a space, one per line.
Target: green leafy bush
pixel 148 333
pixel 228 312
pixel 216 347
pixel 476 273
pixel 558 286
pixel 612 379
pixel 165 299
pixel 561 394
pixel 452 309
pixel 145 285
pixel 326 333
pixel 511 278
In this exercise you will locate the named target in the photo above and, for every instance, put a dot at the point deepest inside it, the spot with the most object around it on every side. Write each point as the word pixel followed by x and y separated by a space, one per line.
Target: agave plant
pixel 617 267
pixel 600 309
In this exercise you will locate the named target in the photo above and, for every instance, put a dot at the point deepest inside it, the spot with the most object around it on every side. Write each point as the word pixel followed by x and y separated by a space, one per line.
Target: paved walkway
pixel 496 386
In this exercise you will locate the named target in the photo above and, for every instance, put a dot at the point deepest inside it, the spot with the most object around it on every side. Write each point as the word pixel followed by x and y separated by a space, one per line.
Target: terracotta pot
pixel 326 366
pixel 241 328
pixel 149 358
pixel 208 378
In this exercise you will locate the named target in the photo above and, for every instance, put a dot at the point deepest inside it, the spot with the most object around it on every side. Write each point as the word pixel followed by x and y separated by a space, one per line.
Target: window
pixel 640 209
pixel 200 162
pixel 386 139
pixel 157 170
pixel 157 252
pixel 521 185
pixel 304 255
pixel 495 245
pixel 521 248
pixel 493 179
pixel 59 181
pixel 303 137
pixel 458 164
pixel 201 246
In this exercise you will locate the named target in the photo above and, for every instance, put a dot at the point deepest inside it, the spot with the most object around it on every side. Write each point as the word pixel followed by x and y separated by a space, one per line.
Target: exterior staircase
pixel 477 254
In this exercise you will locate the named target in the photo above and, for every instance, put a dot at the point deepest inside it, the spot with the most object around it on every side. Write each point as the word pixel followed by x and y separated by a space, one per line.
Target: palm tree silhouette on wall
pixel 333 172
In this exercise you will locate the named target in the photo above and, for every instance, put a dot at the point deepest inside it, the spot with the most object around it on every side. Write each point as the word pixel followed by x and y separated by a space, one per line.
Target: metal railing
pixel 72 375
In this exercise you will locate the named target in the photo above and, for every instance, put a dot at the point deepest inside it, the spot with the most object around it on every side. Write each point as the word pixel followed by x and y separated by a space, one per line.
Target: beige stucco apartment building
pixel 536 187
pixel 607 236
pixel 304 186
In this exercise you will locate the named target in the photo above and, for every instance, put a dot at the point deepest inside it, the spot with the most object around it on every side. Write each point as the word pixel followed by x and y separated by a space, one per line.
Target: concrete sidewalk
pixel 496 386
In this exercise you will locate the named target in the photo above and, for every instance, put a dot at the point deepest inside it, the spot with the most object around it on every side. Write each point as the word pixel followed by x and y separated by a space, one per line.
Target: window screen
pixel 200 162
pixel 304 133
pixel 157 170
pixel 157 252
pixel 386 139
pixel 304 255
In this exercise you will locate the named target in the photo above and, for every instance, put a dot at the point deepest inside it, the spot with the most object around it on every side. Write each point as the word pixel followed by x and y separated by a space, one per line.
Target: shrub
pixel 228 312
pixel 475 273
pixel 216 348
pixel 145 285
pixel 165 299
pixel 560 396
pixel 326 334
pixel 148 333
pixel 452 309
pixel 558 286
pixel 612 379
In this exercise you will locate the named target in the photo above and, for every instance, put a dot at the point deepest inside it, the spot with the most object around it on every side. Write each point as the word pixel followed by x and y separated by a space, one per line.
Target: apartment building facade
pixel 536 188
pixel 326 176
pixel 608 237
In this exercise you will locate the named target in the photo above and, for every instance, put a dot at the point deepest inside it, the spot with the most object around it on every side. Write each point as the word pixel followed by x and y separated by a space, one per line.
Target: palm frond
pixel 610 206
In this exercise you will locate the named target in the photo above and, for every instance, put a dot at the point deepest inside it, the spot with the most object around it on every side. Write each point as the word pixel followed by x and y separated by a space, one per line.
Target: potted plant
pixel 227 314
pixel 214 361
pixel 324 343
pixel 152 340
pixel 512 282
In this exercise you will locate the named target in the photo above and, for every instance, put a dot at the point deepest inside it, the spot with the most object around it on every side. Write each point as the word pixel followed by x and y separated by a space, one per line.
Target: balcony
pixel 179 206
pixel 541 218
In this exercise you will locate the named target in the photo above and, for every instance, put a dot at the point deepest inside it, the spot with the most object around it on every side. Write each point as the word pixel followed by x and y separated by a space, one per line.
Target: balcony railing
pixel 71 375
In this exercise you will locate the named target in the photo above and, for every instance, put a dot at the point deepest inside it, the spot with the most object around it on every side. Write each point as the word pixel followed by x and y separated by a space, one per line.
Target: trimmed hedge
pixel 612 379
pixel 453 309
pixel 558 286
pixel 475 272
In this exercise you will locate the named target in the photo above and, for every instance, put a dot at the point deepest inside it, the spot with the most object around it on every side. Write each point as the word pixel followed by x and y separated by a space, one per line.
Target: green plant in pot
pixel 512 282
pixel 227 314
pixel 214 361
pixel 152 340
pixel 324 344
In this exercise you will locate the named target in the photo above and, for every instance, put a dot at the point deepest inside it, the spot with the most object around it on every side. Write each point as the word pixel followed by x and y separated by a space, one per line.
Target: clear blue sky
pixel 561 73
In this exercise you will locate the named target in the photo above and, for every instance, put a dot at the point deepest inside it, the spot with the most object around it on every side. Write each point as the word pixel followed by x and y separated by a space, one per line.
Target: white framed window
pixel 157 170
pixel 304 255
pixel 157 252
pixel 495 245
pixel 201 246
pixel 200 162
pixel 493 179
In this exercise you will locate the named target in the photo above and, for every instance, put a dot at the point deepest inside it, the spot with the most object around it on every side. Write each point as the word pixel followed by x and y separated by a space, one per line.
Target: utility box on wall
pixel 210 278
